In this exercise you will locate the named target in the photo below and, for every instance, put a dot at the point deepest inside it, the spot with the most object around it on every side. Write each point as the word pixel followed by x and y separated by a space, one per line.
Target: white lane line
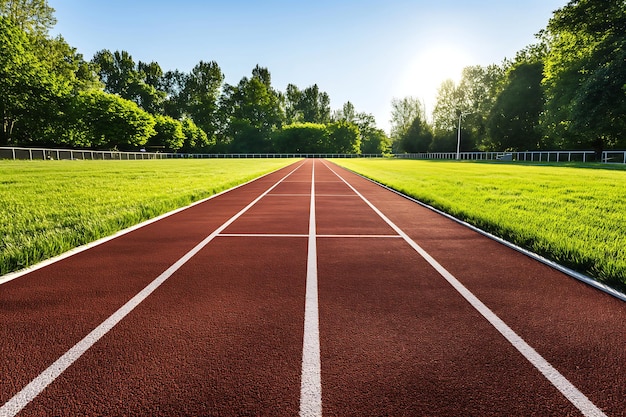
pixel 302 235
pixel 337 195
pixel 361 236
pixel 311 379
pixel 37 385
pixel 287 195
pixel 260 235
pixel 573 394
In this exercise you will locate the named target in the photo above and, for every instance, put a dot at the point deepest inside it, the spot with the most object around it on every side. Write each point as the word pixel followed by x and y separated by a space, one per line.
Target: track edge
pixel 17 274
pixel 552 264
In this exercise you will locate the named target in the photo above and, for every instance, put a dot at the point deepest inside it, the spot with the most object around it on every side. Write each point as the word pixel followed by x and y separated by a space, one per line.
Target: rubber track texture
pixel 223 335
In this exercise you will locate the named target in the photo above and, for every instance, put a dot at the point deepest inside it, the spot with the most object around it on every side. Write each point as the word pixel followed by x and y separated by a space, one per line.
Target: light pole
pixel 458 140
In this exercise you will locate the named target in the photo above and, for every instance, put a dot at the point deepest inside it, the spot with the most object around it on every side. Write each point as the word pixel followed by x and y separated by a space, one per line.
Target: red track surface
pixel 223 334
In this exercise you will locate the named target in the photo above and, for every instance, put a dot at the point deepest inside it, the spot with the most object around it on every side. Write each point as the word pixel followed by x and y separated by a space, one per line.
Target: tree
pixel 448 106
pixel 26 87
pixel 309 105
pixel 116 71
pixel 195 138
pixel 292 98
pixel 347 113
pixel 403 112
pixel 251 111
pixel 479 87
pixel 147 87
pixel 175 101
pixel 169 134
pixel 585 72
pixel 34 17
pixel 139 82
pixel 513 123
pixel 417 139
pixel 344 137
pixel 375 141
pixel 301 138
pixel 110 121
pixel 200 94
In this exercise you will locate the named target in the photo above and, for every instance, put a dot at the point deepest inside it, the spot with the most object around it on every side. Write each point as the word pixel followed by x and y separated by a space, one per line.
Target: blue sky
pixel 366 51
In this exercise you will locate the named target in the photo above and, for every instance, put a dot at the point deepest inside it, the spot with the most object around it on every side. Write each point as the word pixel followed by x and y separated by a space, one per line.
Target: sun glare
pixel 424 73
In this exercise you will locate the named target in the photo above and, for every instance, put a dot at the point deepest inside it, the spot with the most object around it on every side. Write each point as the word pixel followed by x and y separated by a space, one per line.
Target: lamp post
pixel 458 140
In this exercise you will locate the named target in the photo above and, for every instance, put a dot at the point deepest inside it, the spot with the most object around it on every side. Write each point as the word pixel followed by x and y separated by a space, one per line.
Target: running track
pixel 308 291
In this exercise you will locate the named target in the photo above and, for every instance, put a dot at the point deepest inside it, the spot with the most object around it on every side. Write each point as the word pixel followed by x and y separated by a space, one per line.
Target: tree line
pixel 52 96
pixel 567 91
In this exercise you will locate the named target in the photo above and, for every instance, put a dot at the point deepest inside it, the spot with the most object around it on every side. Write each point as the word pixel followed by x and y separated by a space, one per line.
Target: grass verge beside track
pixel 50 207
pixel 571 214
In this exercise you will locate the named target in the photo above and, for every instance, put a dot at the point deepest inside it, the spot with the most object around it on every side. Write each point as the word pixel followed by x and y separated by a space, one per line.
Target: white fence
pixel 78 154
pixel 530 156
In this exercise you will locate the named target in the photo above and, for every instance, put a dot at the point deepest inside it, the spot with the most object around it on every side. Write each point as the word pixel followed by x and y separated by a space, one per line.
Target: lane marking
pixel 302 235
pixel 261 235
pixel 337 195
pixel 361 236
pixel 311 379
pixel 287 195
pixel 37 385
pixel 573 394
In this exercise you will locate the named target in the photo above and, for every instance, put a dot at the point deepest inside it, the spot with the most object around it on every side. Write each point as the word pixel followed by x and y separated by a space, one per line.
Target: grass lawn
pixel 573 214
pixel 49 207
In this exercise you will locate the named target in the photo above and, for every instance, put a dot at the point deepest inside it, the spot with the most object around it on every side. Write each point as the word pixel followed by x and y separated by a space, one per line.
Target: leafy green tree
pixel 116 71
pixel 309 105
pixel 344 137
pixel 347 113
pixel 139 82
pixel 449 104
pixel 147 90
pixel 479 87
pixel 251 111
pixel 169 134
pixel 195 138
pixel 418 138
pixel 200 95
pixel 315 105
pixel 49 122
pixel 513 122
pixel 584 74
pixel 175 102
pixel 375 141
pixel 26 87
pixel 372 139
pixel 34 17
pixel 474 96
pixel 292 98
pixel 403 112
pixel 110 121
pixel 301 138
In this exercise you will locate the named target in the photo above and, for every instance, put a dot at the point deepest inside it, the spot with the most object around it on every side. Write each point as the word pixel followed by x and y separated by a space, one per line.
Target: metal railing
pixel 527 156
pixel 21 153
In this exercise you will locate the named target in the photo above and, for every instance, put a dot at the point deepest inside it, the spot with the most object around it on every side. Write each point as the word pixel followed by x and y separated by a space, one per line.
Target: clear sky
pixel 364 51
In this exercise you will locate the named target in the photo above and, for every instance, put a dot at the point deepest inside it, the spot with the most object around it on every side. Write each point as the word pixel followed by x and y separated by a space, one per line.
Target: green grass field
pixel 49 207
pixel 572 214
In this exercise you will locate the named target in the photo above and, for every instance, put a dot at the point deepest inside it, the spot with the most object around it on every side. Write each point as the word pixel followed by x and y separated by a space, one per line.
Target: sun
pixel 423 74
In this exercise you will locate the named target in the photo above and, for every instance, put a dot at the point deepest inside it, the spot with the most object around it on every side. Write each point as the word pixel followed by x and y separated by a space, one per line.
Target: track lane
pixel 577 329
pixel 223 336
pixel 71 323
